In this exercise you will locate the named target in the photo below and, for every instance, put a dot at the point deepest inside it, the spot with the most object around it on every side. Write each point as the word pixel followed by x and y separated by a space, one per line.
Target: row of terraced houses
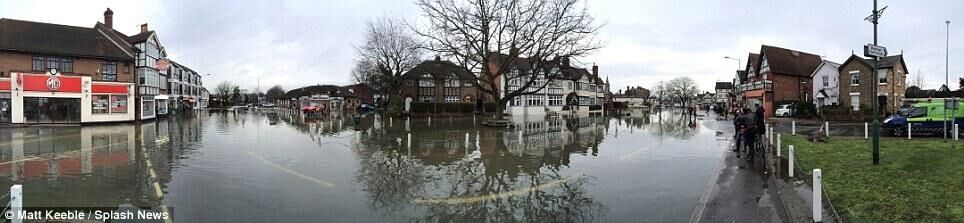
pixel 51 73
pixel 777 76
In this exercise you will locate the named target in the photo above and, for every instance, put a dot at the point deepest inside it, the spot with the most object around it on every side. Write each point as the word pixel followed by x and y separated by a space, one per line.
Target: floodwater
pixel 261 166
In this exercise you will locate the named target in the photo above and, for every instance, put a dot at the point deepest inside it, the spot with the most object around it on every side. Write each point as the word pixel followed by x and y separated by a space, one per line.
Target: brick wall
pixel 19 62
pixel 790 87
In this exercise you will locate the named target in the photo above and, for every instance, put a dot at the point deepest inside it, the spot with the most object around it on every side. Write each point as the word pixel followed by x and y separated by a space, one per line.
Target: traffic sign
pixel 871 50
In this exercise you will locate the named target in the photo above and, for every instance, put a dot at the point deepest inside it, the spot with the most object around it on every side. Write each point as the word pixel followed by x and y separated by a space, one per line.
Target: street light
pixel 947 53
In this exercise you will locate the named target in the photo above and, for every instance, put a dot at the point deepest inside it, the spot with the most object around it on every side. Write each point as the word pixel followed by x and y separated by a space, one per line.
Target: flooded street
pixel 266 166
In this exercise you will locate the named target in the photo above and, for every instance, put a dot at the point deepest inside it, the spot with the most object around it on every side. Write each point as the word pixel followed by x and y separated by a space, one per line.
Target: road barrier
pixel 793 127
pixel 817 196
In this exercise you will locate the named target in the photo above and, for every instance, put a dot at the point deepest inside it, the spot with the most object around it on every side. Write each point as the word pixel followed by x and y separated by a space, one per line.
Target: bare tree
pixel 390 50
pixel 491 38
pixel 224 91
pixel 682 90
pixel 918 80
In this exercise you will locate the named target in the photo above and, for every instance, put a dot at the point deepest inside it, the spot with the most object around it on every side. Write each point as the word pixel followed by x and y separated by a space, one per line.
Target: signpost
pixel 875 51
pixel 872 50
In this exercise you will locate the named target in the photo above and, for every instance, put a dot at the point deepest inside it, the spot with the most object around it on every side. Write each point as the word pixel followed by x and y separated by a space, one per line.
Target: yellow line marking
pixel 292 172
pixel 496 196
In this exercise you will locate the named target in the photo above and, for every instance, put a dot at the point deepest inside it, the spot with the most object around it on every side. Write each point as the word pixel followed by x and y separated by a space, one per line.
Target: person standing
pixel 750 124
pixel 760 118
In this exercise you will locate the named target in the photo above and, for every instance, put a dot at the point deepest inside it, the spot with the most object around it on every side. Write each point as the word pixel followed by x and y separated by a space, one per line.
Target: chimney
pixel 565 61
pixel 144 28
pixel 514 52
pixel 595 70
pixel 438 58
pixel 109 18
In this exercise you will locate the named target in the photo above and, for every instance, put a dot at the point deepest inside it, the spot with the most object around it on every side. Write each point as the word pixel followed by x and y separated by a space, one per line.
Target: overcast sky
pixel 297 43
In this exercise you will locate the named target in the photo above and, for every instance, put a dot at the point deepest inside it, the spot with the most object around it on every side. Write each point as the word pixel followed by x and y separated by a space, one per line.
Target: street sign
pixel 871 50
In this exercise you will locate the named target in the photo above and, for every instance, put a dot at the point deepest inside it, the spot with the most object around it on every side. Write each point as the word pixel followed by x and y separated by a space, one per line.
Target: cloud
pixel 301 42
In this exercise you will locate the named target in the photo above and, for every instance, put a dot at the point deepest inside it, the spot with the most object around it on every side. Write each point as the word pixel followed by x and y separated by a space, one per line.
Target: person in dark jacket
pixel 737 125
pixel 760 119
pixel 749 132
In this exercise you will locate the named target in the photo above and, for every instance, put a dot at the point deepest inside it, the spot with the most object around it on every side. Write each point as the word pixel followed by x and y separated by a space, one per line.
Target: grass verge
pixel 920 180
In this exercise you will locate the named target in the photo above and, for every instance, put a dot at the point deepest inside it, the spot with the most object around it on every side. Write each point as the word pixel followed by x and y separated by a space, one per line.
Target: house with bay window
pixel 148 51
pixel 563 89
pixel 439 81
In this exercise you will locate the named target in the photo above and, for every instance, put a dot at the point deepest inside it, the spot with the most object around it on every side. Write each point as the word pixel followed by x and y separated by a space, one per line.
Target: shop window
pixel 100 104
pixel 118 104
pixel 53 63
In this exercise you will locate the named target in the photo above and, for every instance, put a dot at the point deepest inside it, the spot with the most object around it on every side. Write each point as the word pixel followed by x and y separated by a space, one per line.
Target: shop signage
pixel 53 83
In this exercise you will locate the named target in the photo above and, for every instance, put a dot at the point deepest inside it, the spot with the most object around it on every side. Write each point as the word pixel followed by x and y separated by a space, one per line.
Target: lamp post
pixel 738 63
pixel 947 53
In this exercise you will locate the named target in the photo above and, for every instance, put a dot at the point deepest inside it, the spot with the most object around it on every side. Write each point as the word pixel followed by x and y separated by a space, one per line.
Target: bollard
pixel 771 136
pixel 520 136
pixel 866 134
pixel 908 131
pixel 793 127
pixel 430 121
pixel 817 196
pixel 956 132
pixel 389 121
pixel 790 161
pixel 779 144
pixel 466 140
pixel 16 202
pixel 826 129
pixel 409 140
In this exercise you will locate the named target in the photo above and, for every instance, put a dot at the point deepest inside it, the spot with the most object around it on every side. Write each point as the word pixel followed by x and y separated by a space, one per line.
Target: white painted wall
pixel 827 69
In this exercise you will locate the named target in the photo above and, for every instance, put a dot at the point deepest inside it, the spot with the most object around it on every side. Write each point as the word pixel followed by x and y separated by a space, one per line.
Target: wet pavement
pixel 270 166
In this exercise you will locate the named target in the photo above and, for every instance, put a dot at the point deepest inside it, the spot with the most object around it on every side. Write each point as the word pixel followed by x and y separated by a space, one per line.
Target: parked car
pixel 784 110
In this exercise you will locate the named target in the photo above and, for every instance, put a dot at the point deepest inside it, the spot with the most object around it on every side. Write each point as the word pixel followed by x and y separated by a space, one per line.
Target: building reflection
pixel 93 166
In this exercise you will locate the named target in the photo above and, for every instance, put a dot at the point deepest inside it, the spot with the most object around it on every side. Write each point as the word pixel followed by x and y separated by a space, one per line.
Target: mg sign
pixel 871 50
pixel 53 83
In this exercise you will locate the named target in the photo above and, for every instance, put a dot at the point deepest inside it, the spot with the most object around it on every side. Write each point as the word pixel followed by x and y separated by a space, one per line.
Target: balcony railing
pixel 756 85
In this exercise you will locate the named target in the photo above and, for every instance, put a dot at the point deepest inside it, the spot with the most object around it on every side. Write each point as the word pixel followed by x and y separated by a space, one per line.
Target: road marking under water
pixel 637 152
pixel 496 196
pixel 291 172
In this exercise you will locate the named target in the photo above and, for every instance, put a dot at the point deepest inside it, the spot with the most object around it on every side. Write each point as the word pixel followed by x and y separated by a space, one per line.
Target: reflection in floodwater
pixel 232 166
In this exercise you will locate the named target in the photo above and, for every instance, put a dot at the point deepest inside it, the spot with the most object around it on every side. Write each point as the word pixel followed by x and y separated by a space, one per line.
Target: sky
pixel 294 43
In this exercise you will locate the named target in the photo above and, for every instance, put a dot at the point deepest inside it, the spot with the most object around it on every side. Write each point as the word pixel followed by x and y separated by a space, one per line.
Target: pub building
pixel 51 73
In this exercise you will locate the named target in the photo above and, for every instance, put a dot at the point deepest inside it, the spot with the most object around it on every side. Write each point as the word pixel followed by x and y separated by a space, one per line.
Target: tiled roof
pixel 439 69
pixel 54 39
pixel 724 85
pixel 790 62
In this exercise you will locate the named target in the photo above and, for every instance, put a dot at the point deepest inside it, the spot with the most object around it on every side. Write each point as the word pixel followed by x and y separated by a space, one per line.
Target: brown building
pixel 34 47
pixel 783 77
pixel 439 81
pixel 855 75
pixel 52 73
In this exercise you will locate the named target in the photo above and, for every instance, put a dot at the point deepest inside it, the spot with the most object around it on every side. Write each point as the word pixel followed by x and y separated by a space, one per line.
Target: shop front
pixel 52 98
pixel 162 102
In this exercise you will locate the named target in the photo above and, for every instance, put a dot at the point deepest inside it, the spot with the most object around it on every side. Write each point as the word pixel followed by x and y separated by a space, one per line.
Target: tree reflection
pixel 675 125
pixel 501 180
